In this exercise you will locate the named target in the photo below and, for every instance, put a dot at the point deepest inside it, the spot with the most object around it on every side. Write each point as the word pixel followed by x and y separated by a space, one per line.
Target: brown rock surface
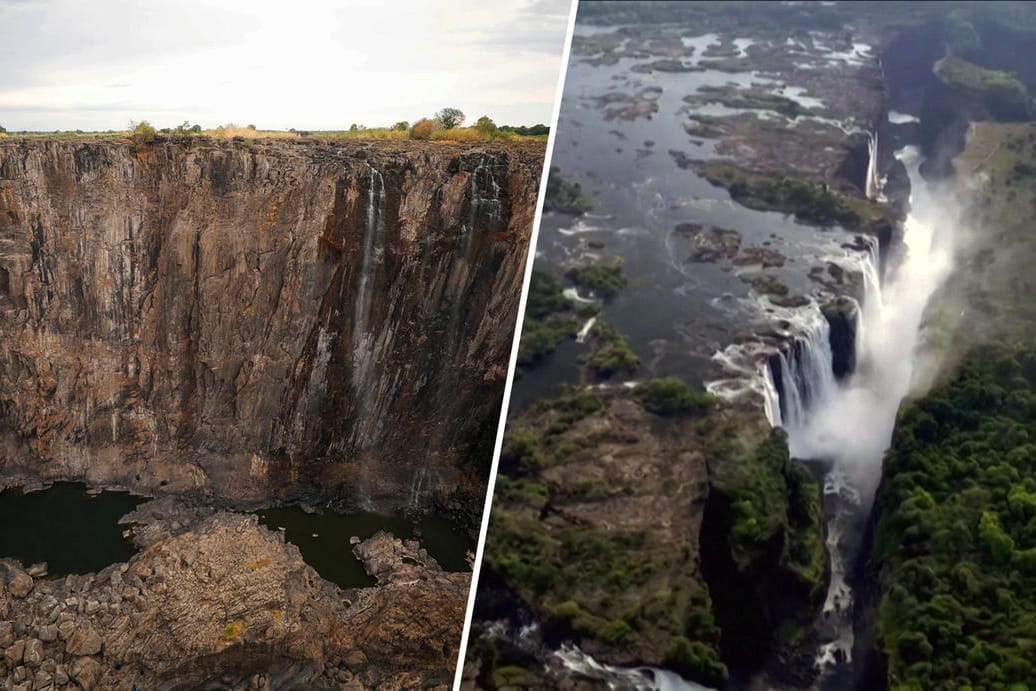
pixel 229 603
pixel 258 319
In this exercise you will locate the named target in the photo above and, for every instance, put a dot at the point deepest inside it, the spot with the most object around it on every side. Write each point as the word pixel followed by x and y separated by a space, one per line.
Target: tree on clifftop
pixel 486 126
pixel 450 118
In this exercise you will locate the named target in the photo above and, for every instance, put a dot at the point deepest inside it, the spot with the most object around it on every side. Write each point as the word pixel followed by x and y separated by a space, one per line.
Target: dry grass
pixel 231 130
pixel 381 133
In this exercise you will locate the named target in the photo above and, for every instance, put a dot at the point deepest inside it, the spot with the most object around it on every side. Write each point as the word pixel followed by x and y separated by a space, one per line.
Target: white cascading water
pixel 872 188
pixel 373 241
pixel 485 197
pixel 850 425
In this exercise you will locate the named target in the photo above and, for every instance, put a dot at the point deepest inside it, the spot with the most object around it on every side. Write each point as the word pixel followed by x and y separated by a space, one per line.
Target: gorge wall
pixel 262 320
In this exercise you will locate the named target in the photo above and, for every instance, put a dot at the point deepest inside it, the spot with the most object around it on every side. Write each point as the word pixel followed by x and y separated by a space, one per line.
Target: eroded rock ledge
pixel 229 603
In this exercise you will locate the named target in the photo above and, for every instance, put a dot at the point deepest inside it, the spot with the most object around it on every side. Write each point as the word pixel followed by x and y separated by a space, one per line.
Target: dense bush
pixel 669 396
pixel 424 129
pixel 565 196
pixel 143 133
pixel 956 539
pixel 485 126
pixel 605 280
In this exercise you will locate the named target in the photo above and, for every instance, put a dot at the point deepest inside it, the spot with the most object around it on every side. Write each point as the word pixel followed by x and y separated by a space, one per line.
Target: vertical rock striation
pixel 259 321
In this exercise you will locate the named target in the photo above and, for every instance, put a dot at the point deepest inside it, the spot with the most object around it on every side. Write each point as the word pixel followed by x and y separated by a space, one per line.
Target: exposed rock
pixel 33 652
pixel 14 654
pixel 19 583
pixel 84 642
pixel 709 243
pixel 761 256
pixel 389 559
pixel 766 284
pixel 211 316
pixel 842 316
pixel 86 671
pixel 229 602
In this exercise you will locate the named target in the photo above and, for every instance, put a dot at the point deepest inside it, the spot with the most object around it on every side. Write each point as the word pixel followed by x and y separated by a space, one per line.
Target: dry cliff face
pixel 259 320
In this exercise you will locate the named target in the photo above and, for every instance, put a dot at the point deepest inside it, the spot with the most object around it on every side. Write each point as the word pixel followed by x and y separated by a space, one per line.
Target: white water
pixel 850 426
pixel 623 678
pixel 585 331
pixel 373 241
pixel 873 184
pixel 485 198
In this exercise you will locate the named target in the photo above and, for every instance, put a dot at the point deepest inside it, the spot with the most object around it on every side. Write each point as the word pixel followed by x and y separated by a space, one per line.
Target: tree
pixel 3 130
pixel 485 126
pixel 187 129
pixel 143 133
pixel 450 118
pixel 401 126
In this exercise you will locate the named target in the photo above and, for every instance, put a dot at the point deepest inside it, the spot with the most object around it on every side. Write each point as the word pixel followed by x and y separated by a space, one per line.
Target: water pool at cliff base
pixel 323 538
pixel 73 530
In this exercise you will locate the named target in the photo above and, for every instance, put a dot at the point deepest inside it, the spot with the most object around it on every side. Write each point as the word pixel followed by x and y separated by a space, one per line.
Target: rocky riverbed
pixel 215 599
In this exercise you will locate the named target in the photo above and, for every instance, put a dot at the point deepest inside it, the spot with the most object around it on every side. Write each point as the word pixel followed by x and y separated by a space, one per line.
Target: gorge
pixel 230 325
pixel 816 257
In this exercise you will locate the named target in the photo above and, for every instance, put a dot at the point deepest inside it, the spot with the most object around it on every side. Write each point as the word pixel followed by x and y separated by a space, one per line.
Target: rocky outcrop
pixel 842 315
pixel 230 604
pixel 259 320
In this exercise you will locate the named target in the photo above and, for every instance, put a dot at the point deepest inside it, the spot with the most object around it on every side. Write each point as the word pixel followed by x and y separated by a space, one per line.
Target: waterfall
pixel 373 247
pixel 872 186
pixel 771 399
pixel 585 331
pixel 806 376
pixel 485 198
pixel 850 426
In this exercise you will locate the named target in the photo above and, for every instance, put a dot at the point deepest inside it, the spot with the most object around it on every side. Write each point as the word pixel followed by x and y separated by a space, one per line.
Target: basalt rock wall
pixel 261 320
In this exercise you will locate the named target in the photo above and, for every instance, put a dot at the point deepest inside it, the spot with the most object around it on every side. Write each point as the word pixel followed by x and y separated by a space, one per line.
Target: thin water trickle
pixel 373 247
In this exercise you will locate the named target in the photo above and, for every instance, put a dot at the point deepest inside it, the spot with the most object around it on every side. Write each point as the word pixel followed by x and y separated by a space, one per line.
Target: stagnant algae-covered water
pixel 323 538
pixel 73 530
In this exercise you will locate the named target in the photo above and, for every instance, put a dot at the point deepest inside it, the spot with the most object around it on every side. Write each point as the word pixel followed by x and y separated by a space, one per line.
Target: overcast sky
pixel 73 64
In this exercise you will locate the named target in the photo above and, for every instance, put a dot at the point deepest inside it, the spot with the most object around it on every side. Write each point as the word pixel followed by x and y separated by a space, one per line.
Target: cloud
pixel 307 65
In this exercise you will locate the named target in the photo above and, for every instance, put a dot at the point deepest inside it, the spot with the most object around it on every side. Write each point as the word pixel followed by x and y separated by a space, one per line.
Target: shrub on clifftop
pixel 423 129
pixel 143 133
pixel 669 395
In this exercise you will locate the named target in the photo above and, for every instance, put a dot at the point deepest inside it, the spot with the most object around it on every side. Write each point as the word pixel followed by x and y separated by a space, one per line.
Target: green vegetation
pixel 549 319
pixel 751 99
pixel 486 126
pixel 768 495
pixel 450 118
pixel 956 540
pixel 809 201
pixel 142 133
pixel 632 587
pixel 564 196
pixel 612 588
pixel 605 280
pixel 671 396
pixel 527 131
pixel 1003 95
pixel 611 353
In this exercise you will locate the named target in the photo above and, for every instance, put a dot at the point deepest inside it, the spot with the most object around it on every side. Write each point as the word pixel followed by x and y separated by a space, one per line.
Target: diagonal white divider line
pixel 559 93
